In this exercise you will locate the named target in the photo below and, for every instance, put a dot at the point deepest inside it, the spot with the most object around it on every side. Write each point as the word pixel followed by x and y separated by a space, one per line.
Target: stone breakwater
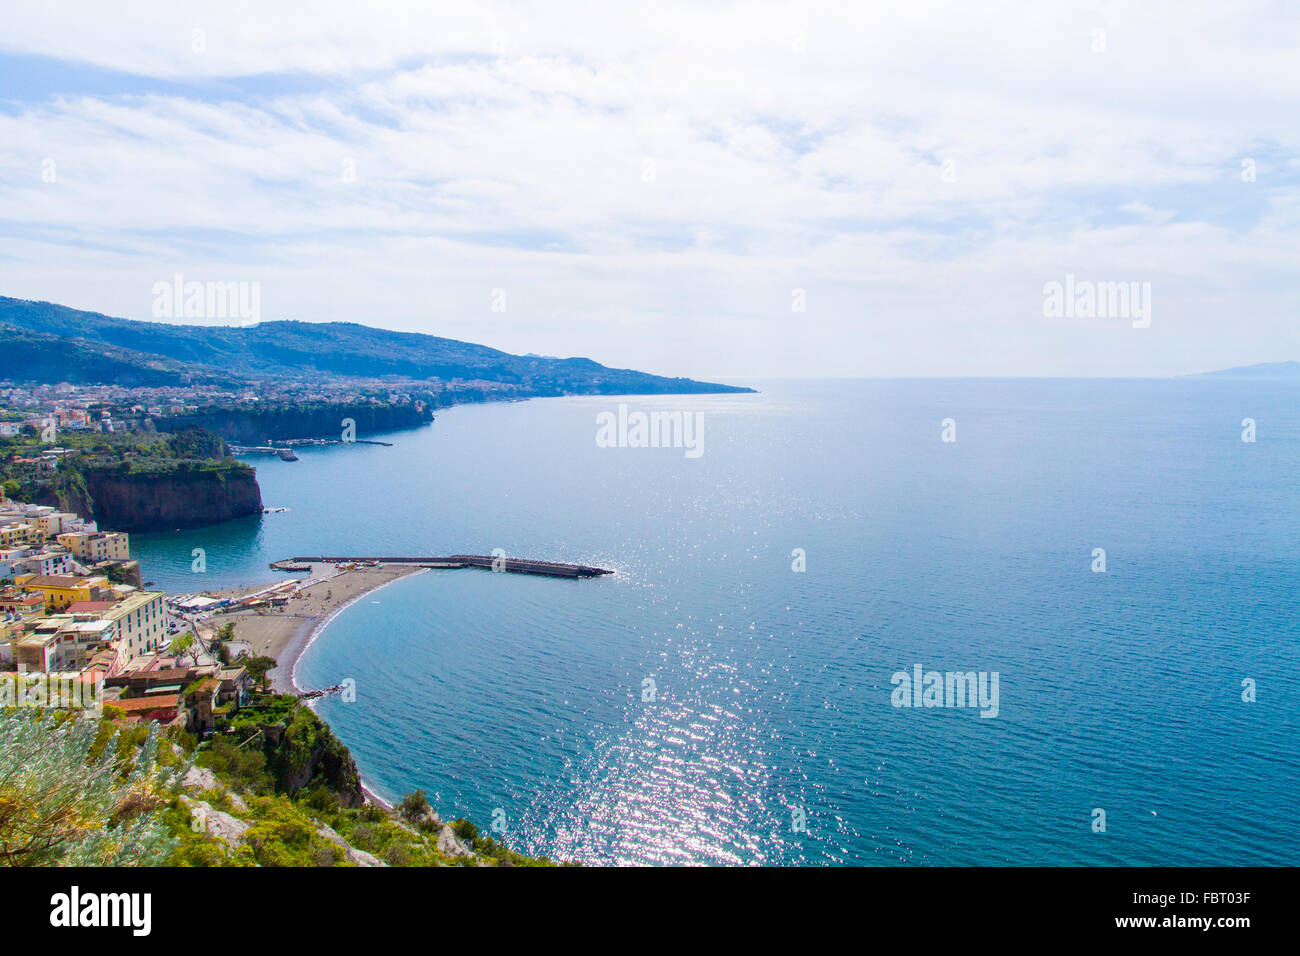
pixel 490 562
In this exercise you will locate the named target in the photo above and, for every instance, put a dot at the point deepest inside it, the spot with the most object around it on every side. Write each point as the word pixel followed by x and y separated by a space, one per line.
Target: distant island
pixel 1264 370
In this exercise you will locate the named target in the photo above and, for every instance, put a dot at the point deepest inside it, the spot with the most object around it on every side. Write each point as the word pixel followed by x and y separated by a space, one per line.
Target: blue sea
pixel 711 704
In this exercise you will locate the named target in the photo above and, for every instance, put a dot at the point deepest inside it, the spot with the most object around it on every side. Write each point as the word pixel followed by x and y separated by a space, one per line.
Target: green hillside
pixel 289 350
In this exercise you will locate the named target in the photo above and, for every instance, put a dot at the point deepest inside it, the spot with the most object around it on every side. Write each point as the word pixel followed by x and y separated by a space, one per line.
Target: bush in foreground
pixel 69 796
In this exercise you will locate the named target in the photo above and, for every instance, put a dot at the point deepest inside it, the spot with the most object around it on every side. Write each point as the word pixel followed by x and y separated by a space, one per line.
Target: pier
pixel 553 569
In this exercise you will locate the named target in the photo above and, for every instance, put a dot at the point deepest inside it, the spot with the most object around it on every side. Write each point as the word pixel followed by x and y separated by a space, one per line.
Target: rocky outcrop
pixel 452 845
pixel 353 855
pixel 217 823
pixel 304 752
pixel 198 779
pixel 177 498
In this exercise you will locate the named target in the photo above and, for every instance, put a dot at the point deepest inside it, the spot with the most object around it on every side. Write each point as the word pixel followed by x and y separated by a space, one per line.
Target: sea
pixel 1109 561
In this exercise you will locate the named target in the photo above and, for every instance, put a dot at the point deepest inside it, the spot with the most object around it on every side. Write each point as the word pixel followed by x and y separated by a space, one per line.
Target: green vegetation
pixel 257 668
pixel 77 793
pixel 75 790
pixel 288 777
pixel 415 807
pixel 302 350
pixel 185 644
pixel 131 456
pixel 464 829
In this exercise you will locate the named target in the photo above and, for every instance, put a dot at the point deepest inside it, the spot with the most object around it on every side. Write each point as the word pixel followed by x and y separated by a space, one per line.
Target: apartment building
pixel 96 547
pixel 19 535
pixel 45 563
pixel 53 523
pixel 62 590
pixel 139 619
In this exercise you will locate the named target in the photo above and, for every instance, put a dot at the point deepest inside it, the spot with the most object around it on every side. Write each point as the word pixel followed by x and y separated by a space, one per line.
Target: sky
pixel 725 191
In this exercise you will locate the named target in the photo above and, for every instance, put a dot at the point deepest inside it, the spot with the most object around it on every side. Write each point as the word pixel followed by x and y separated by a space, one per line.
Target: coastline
pixel 295 651
pixel 299 643
pixel 267 633
pixel 284 633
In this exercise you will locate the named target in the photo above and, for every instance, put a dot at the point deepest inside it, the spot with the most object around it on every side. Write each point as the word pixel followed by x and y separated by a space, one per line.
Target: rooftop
pixel 59 581
pixel 142 704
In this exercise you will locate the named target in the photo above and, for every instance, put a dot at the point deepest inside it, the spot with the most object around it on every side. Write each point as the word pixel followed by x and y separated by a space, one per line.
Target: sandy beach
pixel 285 632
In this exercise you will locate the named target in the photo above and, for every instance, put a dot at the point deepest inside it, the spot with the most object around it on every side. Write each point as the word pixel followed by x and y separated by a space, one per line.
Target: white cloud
pixel 649 186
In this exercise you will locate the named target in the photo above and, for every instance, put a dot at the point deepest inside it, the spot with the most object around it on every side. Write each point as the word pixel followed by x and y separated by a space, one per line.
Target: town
pixel 65 609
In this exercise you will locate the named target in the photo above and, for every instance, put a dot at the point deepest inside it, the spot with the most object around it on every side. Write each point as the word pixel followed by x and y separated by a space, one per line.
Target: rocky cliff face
pixel 303 752
pixel 178 499
pixel 251 426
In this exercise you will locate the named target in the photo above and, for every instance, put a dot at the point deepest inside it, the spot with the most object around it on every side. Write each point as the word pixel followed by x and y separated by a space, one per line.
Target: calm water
pixel 1118 690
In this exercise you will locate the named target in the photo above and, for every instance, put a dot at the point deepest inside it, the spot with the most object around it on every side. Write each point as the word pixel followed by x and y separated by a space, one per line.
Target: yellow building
pixel 99 546
pixel 53 523
pixel 13 625
pixel 20 535
pixel 62 590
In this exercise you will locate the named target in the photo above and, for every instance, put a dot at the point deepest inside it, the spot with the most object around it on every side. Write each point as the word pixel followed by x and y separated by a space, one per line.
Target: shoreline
pixel 284 633
pixel 295 653
pixel 265 633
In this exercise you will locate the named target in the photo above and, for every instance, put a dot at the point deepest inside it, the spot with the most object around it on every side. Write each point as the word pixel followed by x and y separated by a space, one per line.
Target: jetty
pixel 552 569
pixel 285 454
pixel 287 445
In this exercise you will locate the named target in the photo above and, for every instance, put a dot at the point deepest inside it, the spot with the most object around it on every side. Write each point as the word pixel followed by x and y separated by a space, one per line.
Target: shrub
pixel 465 830
pixel 245 768
pixel 320 800
pixel 70 798
pixel 398 855
pixel 415 806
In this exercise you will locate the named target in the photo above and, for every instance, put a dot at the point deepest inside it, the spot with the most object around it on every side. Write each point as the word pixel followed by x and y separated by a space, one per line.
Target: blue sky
pixel 659 188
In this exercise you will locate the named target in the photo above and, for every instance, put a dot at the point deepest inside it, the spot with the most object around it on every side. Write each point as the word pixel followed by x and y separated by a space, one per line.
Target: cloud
pixel 650 186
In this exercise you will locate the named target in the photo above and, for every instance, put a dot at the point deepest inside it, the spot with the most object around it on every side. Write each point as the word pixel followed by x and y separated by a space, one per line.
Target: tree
pixel 415 806
pixel 257 668
pixel 186 644
pixel 67 800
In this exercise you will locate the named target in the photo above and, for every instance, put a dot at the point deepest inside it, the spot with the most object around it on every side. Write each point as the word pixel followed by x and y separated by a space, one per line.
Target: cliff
pixel 141 481
pixel 301 752
pixel 163 501
pixel 251 426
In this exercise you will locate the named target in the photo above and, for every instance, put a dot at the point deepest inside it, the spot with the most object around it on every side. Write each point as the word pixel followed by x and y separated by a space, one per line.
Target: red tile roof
pixel 139 704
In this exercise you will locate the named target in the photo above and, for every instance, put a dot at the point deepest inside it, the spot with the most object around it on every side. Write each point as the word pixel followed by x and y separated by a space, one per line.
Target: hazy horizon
pixel 719 378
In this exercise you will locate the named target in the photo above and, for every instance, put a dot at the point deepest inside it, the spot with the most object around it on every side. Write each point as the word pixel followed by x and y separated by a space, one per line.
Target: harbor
pixel 284 450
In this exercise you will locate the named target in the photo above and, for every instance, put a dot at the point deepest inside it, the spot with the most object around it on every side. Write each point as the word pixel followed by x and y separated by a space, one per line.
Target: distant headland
pixel 133 422
pixel 1265 370
pixel 47 343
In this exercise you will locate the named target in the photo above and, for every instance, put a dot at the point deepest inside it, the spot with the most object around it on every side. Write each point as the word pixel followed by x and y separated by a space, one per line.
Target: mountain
pixel 1265 370
pixel 40 357
pixel 301 350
